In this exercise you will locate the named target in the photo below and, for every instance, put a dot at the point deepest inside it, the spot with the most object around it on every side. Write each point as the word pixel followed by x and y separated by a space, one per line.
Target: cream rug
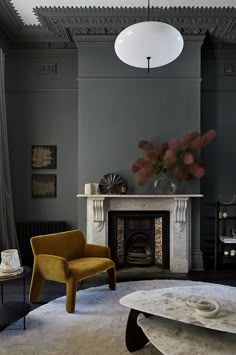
pixel 96 328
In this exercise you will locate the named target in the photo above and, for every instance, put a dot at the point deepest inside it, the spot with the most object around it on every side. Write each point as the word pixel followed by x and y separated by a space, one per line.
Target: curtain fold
pixel 8 237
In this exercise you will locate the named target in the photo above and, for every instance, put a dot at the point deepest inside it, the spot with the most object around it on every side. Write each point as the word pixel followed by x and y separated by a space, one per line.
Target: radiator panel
pixel 27 229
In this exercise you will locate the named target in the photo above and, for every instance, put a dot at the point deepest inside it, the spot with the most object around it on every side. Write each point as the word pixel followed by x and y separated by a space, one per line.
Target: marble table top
pixel 171 303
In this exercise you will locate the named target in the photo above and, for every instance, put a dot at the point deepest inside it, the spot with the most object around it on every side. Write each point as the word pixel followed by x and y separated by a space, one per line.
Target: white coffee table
pixel 175 328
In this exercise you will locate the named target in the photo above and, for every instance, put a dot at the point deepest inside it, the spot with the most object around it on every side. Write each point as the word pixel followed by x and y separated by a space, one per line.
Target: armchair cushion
pixel 85 267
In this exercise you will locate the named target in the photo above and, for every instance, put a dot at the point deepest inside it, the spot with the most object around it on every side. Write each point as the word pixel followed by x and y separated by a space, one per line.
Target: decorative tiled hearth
pixel 179 207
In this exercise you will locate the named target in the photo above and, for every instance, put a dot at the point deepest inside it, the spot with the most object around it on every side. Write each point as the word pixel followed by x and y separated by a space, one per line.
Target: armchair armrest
pixel 52 267
pixel 100 251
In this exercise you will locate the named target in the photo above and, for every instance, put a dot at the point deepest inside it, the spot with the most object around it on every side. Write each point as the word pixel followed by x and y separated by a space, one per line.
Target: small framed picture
pixel 44 185
pixel 44 157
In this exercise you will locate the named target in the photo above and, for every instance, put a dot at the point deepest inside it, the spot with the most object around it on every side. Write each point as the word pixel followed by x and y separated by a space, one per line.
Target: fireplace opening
pixel 139 238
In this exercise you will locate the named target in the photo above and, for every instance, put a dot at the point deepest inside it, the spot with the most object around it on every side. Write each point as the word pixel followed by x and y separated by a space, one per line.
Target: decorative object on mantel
pixel 91 189
pixel 124 189
pixel 165 184
pixel 112 184
pixel 177 158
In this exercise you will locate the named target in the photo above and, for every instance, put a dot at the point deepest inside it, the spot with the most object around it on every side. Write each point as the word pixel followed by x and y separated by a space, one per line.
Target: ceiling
pixel 33 23
pixel 25 7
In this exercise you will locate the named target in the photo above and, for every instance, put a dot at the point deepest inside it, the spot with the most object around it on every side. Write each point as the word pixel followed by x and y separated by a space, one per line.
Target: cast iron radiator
pixel 27 229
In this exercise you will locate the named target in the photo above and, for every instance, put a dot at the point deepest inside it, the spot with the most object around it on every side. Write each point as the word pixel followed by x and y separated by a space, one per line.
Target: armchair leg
pixel 112 278
pixel 71 288
pixel 36 285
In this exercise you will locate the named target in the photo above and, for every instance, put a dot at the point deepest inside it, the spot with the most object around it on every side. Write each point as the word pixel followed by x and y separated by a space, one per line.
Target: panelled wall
pixel 42 109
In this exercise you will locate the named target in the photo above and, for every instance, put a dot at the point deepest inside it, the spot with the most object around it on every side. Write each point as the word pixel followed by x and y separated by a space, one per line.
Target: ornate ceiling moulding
pixel 9 18
pixel 62 25
pixel 217 23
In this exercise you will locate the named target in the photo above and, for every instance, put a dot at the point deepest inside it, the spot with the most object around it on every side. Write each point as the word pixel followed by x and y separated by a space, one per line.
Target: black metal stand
pixel 11 311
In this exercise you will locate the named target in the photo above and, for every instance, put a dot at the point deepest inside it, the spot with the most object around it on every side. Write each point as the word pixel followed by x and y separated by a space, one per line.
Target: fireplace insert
pixel 139 238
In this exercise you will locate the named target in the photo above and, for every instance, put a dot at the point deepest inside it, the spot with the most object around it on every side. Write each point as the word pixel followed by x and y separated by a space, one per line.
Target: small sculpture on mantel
pixel 112 183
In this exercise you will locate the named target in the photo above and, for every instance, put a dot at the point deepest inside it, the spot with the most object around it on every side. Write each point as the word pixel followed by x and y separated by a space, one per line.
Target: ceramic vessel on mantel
pixel 164 184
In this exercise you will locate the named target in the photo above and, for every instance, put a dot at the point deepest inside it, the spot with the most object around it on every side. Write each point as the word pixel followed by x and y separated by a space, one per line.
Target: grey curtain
pixel 8 237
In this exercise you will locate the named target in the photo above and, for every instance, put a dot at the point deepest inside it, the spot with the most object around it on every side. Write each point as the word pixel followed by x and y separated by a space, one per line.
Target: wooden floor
pixel 52 290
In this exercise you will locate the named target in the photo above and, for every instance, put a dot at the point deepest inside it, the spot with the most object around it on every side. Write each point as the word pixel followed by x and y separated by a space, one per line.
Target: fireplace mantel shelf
pixel 98 203
pixel 138 196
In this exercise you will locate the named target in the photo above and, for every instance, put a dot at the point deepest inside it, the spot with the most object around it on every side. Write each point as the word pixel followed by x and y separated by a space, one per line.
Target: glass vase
pixel 164 184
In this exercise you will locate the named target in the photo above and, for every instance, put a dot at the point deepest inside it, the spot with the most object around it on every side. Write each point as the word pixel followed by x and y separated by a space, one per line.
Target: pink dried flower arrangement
pixel 176 157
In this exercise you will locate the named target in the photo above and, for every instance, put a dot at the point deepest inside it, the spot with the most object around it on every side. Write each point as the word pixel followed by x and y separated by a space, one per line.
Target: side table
pixel 11 311
pixel 169 323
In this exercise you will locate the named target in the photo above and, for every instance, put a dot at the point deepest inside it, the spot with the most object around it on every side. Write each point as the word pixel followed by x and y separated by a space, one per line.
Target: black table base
pixel 135 337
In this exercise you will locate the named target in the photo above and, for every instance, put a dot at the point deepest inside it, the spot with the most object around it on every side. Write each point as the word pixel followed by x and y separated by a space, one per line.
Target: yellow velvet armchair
pixel 66 257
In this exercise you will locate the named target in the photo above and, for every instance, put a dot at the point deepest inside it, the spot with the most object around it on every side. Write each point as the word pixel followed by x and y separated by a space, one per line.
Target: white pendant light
pixel 149 44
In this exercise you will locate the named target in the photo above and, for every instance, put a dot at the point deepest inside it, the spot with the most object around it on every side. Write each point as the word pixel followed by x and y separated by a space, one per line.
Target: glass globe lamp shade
pixel 160 42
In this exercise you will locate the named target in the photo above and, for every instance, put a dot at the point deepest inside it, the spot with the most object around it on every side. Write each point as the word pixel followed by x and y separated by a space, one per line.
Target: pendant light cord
pixel 148 58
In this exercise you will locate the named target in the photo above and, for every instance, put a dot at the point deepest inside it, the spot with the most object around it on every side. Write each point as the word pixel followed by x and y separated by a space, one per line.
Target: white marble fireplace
pixel 179 207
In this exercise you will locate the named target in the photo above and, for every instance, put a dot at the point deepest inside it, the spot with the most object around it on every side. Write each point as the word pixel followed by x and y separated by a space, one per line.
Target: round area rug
pixel 96 328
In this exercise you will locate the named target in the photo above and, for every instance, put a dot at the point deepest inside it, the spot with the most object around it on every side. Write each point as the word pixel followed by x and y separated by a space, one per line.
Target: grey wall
pixel 96 126
pixel 42 110
pixel 218 111
pixel 120 105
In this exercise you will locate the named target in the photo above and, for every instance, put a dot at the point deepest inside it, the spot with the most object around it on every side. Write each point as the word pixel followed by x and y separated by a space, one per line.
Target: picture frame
pixel 44 157
pixel 44 185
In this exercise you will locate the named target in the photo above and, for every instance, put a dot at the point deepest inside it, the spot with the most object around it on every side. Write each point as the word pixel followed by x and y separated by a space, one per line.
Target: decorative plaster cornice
pixel 218 23
pixel 62 26
pixel 9 18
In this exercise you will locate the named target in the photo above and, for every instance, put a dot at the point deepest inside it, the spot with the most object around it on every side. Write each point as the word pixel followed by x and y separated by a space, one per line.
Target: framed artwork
pixel 44 185
pixel 44 157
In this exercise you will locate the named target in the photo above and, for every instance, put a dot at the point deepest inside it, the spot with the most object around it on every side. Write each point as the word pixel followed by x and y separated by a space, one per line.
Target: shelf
pixel 222 226
pixel 228 260
pixel 229 218
pixel 227 240
pixel 213 204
